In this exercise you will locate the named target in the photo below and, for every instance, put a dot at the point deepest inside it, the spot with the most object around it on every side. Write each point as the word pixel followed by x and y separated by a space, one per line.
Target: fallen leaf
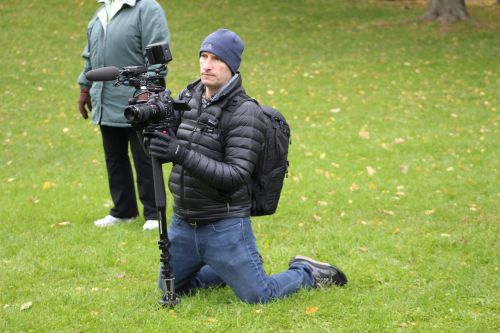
pixel 404 168
pixel 323 203
pixel 60 224
pixel 211 320
pixel 396 231
pixel 363 133
pixel 430 211
pixel 26 306
pixel 48 185
pixel 371 171
pixel 354 187
pixel 399 141
pixel 446 235
pixel 120 275
pixel 311 309
pixel 316 218
pixel 388 212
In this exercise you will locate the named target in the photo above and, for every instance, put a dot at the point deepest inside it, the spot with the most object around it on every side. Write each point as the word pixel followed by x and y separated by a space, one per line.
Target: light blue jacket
pixel 120 42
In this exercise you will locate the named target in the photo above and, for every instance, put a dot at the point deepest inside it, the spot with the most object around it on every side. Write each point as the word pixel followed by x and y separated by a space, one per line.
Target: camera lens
pixel 142 113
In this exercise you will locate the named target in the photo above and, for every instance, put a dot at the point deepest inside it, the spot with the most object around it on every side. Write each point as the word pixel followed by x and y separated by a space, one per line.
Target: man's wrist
pixel 84 90
pixel 180 154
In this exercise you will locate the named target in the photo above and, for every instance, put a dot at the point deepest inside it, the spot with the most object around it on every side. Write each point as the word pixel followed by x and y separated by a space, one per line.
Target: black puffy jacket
pixel 223 147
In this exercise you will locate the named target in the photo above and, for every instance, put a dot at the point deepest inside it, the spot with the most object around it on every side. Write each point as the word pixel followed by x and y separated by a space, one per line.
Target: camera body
pixel 152 107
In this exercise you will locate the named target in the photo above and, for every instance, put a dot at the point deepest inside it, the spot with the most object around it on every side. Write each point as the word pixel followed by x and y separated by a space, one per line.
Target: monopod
pixel 169 298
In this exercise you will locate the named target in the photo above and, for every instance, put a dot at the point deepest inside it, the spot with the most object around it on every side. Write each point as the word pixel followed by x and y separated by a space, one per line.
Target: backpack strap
pixel 237 100
pixel 211 117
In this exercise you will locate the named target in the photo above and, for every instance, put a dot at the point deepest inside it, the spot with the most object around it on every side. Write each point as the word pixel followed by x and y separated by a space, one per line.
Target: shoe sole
pixel 115 223
pixel 150 228
pixel 343 278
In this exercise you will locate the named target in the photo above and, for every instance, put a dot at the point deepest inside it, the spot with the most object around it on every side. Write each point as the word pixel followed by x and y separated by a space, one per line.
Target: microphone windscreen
pixel 103 74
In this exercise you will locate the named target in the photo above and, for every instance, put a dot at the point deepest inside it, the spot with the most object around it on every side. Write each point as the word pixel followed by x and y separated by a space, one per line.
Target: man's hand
pixel 166 149
pixel 84 103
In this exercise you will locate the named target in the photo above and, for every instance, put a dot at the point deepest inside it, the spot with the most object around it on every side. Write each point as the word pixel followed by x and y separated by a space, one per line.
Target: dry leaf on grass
pixel 388 212
pixel 311 309
pixel 26 306
pixel 363 133
pixel 60 224
pixel 430 211
pixel 48 185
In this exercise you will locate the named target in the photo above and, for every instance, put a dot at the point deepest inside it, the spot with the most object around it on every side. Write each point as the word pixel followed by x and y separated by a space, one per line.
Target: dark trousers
pixel 120 176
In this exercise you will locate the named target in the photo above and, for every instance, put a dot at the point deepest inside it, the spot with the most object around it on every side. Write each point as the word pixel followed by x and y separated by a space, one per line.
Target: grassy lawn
pixel 394 171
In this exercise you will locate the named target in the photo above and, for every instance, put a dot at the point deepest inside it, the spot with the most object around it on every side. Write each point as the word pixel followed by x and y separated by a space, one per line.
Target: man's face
pixel 214 72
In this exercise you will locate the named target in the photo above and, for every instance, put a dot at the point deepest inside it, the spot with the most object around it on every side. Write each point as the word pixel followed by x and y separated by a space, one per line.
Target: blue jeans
pixel 226 252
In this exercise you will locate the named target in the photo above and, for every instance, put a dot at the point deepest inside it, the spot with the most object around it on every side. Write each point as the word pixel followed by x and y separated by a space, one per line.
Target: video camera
pixel 151 108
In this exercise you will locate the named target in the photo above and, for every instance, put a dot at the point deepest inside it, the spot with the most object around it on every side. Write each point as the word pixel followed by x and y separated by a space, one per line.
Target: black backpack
pixel 272 165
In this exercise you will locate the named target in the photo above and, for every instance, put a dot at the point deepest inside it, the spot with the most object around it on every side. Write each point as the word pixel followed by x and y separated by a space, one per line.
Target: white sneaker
pixel 109 221
pixel 150 225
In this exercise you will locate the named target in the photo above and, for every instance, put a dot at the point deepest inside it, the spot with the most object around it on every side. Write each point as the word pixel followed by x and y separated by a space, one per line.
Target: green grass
pixel 394 172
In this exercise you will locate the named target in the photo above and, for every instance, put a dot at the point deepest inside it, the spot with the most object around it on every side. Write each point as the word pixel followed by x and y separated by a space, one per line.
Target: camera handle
pixel 169 298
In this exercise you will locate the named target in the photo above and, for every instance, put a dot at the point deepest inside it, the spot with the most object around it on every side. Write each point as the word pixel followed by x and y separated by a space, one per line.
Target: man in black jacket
pixel 214 154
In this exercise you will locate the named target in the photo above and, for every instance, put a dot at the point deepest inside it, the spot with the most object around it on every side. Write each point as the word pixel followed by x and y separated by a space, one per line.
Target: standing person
pixel 117 36
pixel 214 154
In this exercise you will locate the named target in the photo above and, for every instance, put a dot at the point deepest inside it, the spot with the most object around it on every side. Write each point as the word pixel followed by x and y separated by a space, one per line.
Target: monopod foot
pixel 169 301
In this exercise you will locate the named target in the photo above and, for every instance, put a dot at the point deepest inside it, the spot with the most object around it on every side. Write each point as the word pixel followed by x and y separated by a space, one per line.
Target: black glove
pixel 166 149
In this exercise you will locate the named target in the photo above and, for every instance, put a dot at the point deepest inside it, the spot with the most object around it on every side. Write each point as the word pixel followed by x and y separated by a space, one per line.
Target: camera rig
pixel 151 109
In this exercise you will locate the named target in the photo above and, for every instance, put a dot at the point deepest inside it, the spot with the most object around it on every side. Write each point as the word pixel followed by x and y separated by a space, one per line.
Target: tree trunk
pixel 446 10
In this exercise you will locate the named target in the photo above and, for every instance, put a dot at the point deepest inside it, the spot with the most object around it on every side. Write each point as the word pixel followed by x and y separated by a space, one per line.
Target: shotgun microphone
pixel 109 73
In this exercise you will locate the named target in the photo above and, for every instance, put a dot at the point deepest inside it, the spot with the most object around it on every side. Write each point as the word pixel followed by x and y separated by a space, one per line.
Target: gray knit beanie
pixel 226 45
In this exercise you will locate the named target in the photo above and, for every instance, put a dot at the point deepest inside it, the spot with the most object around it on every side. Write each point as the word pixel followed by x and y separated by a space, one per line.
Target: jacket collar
pixel 224 95
pixel 131 3
pixel 227 88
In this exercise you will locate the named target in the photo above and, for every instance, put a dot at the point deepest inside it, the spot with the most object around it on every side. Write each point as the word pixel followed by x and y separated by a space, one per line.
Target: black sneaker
pixel 324 274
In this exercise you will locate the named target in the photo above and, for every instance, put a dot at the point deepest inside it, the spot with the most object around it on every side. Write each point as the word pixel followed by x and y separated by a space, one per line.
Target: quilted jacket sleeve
pixel 243 139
